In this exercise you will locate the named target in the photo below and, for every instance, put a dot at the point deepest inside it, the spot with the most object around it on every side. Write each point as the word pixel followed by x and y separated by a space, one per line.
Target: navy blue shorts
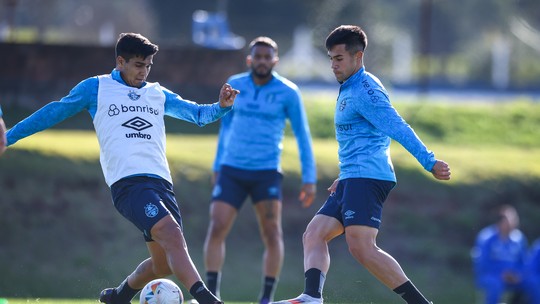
pixel 233 185
pixel 358 201
pixel 144 201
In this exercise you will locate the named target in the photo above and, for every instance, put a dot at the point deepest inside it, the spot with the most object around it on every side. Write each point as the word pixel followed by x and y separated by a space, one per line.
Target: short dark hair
pixel 264 41
pixel 354 38
pixel 131 45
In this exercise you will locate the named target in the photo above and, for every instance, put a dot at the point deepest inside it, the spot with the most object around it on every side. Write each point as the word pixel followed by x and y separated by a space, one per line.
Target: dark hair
pixel 131 45
pixel 264 41
pixel 354 38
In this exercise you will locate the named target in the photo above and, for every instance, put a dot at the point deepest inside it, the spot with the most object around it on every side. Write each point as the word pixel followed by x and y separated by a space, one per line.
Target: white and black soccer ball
pixel 161 291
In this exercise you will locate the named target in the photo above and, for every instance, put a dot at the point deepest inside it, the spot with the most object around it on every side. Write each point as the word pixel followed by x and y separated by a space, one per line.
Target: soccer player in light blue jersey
pixel 128 116
pixel 3 140
pixel 248 162
pixel 365 122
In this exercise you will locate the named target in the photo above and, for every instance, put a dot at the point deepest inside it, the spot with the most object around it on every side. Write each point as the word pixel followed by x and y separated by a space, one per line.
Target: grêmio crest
pixel 133 96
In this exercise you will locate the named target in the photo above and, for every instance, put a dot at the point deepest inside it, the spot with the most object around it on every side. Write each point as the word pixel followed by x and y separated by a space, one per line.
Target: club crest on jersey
pixel 133 96
pixel 151 210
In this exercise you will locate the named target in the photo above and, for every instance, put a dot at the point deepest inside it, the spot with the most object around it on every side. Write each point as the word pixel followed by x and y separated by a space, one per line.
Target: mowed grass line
pixel 469 163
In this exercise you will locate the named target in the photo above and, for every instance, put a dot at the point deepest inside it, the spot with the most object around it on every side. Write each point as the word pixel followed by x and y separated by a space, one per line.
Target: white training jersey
pixel 131 130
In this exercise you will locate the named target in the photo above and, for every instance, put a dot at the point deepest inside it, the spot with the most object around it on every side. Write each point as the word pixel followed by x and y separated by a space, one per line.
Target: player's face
pixel 134 71
pixel 344 64
pixel 262 60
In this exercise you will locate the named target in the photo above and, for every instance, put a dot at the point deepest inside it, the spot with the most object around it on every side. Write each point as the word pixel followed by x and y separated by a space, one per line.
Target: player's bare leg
pixel 319 232
pixel 222 217
pixel 362 245
pixel 269 218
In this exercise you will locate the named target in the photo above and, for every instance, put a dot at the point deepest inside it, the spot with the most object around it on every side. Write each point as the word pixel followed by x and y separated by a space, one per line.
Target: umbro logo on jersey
pixel 349 214
pixel 133 96
pixel 342 105
pixel 137 124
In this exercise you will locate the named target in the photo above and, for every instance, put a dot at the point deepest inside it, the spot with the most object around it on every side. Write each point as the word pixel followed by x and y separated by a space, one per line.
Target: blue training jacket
pixel 365 121
pixel 251 135
pixel 492 255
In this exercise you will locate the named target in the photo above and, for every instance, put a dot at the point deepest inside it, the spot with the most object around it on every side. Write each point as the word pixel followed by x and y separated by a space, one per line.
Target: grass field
pixel 469 163
pixel 429 225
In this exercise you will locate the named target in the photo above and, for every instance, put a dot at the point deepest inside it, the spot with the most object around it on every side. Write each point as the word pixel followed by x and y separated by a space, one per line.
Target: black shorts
pixel 358 201
pixel 233 185
pixel 144 201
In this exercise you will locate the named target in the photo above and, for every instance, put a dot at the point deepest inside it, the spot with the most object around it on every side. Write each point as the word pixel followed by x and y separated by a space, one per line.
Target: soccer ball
pixel 161 291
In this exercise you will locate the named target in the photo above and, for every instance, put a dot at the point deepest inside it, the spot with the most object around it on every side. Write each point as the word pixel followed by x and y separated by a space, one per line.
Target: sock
pixel 213 279
pixel 314 282
pixel 268 288
pixel 124 293
pixel 410 294
pixel 202 294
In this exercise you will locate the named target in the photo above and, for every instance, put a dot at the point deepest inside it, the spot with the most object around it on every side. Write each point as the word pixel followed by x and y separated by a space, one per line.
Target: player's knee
pixel 217 229
pixel 161 271
pixel 272 235
pixel 362 253
pixel 311 237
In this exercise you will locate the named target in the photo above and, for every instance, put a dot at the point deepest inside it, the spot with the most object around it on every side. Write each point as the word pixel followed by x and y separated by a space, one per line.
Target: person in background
pixel 499 258
pixel 128 115
pixel 532 272
pixel 365 122
pixel 248 162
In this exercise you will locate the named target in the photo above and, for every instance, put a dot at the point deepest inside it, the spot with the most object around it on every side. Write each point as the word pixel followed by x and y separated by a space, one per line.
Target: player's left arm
pixel 300 126
pixel 3 140
pixel 199 114
pixel 380 112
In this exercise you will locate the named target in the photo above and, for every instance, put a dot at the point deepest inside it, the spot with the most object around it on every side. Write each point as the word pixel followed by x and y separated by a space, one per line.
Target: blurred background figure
pixel 532 271
pixel 211 29
pixel 499 259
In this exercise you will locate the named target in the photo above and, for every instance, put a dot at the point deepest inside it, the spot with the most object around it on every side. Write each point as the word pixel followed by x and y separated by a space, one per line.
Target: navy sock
pixel 202 294
pixel 410 294
pixel 314 282
pixel 213 280
pixel 268 288
pixel 124 293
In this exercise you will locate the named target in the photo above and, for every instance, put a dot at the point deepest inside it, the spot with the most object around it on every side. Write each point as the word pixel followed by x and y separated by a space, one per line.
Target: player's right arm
pixel 82 96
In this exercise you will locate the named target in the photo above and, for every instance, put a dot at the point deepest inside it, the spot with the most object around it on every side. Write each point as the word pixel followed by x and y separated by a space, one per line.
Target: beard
pixel 261 71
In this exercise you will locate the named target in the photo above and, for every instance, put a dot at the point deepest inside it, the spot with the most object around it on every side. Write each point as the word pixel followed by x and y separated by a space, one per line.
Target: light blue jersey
pixel 1 114
pixel 250 137
pixel 365 122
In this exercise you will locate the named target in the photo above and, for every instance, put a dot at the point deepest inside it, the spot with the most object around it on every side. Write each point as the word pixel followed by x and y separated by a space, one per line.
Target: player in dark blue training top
pixel 248 162
pixel 128 115
pixel 365 121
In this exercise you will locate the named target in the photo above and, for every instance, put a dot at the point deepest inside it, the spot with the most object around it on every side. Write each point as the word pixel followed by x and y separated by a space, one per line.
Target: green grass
pixel 61 223
pixel 195 154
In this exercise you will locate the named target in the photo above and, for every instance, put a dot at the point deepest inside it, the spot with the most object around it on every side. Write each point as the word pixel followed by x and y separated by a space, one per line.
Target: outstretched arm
pixel 3 140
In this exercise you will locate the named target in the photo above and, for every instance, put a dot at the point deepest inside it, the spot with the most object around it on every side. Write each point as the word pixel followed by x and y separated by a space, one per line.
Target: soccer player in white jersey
pixel 128 116
pixel 365 121
pixel 248 162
